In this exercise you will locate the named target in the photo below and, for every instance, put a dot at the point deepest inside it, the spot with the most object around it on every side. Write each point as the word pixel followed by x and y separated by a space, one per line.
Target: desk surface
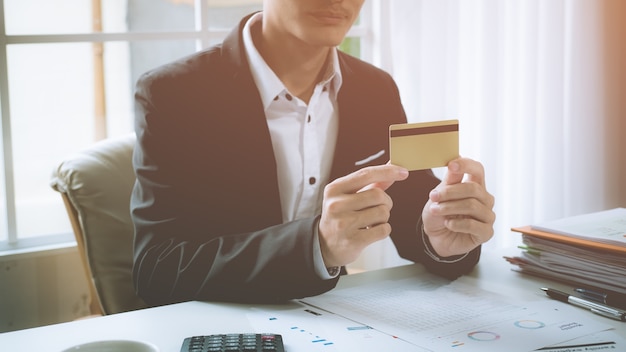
pixel 167 326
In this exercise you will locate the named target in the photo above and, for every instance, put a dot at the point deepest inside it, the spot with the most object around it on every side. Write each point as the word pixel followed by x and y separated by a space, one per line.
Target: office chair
pixel 95 185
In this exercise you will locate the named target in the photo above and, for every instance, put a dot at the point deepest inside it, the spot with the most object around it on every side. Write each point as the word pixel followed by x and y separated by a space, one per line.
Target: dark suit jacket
pixel 206 206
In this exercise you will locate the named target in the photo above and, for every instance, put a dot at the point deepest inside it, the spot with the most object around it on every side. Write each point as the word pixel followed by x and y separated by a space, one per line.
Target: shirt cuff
pixel 430 251
pixel 318 261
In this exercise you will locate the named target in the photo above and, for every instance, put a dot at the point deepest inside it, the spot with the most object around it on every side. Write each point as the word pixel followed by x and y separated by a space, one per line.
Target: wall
pixel 615 77
pixel 40 289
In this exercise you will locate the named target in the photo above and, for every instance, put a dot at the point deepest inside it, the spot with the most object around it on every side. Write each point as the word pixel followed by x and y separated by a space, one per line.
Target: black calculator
pixel 234 343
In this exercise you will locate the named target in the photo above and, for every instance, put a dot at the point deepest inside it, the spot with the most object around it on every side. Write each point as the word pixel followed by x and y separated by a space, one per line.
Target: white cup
pixel 114 346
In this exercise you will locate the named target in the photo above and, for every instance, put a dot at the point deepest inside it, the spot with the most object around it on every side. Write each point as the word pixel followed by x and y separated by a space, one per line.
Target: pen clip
pixel 592 295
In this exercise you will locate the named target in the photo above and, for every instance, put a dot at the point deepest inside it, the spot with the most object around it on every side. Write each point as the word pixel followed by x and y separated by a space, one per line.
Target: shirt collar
pixel 268 84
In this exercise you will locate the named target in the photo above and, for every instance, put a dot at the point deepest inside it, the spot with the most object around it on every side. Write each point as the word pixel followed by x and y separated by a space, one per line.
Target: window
pixel 67 74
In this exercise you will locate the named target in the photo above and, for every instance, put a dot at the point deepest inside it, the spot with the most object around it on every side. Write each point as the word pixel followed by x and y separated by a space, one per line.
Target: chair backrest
pixel 96 184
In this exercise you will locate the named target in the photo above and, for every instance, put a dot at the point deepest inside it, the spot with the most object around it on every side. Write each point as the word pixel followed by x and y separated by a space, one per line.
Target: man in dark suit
pixel 261 168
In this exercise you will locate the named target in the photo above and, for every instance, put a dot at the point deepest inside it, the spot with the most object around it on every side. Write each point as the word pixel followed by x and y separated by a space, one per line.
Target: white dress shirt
pixel 303 135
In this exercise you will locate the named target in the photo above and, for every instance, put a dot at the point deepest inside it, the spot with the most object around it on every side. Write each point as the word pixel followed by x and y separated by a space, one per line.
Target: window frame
pixel 203 35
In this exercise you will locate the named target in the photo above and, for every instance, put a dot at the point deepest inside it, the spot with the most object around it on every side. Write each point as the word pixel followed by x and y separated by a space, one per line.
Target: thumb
pixel 454 174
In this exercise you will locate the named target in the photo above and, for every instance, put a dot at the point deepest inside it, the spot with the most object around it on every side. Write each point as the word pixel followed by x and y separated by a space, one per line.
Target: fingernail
pixel 454 166
pixel 434 195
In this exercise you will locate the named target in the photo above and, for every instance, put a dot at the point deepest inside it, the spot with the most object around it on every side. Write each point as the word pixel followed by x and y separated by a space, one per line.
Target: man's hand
pixel 355 212
pixel 459 215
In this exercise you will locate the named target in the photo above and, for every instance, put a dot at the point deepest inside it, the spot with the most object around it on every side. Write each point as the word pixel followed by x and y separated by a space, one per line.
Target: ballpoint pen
pixel 597 308
pixel 610 299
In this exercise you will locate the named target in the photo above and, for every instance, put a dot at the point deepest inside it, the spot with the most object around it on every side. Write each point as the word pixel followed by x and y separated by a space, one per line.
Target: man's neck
pixel 299 66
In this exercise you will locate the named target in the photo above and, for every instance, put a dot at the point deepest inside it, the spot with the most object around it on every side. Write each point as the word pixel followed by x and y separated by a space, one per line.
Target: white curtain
pixel 539 88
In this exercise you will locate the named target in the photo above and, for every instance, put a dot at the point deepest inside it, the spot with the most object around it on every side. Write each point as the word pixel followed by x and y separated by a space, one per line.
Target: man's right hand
pixel 355 212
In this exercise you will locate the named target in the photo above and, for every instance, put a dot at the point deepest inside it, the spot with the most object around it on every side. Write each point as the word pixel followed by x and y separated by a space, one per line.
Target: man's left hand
pixel 459 215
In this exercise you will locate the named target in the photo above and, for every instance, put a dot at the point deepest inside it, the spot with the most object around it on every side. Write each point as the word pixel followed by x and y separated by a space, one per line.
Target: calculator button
pixel 234 343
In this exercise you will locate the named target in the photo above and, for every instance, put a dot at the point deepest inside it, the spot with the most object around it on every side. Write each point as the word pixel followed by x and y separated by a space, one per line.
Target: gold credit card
pixel 424 145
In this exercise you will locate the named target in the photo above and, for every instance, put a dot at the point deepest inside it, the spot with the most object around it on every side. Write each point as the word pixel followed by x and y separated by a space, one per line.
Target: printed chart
pixel 442 316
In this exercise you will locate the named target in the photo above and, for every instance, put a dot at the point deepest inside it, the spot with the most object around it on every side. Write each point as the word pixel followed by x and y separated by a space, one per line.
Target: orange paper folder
pixel 527 230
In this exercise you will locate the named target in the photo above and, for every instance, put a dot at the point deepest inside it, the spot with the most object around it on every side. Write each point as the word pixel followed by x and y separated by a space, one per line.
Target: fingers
pixel 343 235
pixel 453 187
pixel 469 208
pixel 382 176
pixel 374 233
pixel 458 226
pixel 462 200
pixel 459 214
pixel 460 167
pixel 361 209
pixel 460 191
pixel 355 212
pixel 479 230
pixel 361 196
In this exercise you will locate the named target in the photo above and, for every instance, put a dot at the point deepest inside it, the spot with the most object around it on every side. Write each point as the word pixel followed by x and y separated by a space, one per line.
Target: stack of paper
pixel 586 250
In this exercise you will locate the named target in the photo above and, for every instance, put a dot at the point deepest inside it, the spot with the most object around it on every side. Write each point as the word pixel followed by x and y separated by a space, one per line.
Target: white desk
pixel 167 326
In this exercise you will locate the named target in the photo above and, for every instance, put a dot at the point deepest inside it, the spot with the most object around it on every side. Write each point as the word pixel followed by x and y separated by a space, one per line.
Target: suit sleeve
pixel 194 237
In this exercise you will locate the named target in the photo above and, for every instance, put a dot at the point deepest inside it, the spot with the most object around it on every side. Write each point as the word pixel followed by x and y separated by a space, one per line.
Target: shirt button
pixel 312 180
pixel 288 96
pixel 308 118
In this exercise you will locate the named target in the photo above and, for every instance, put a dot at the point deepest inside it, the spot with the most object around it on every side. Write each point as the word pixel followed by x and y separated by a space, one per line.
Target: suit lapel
pixel 361 132
pixel 259 197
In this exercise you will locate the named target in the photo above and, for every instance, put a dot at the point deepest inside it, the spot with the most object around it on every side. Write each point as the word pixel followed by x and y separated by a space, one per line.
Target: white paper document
pixel 608 226
pixel 441 316
pixel 307 329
